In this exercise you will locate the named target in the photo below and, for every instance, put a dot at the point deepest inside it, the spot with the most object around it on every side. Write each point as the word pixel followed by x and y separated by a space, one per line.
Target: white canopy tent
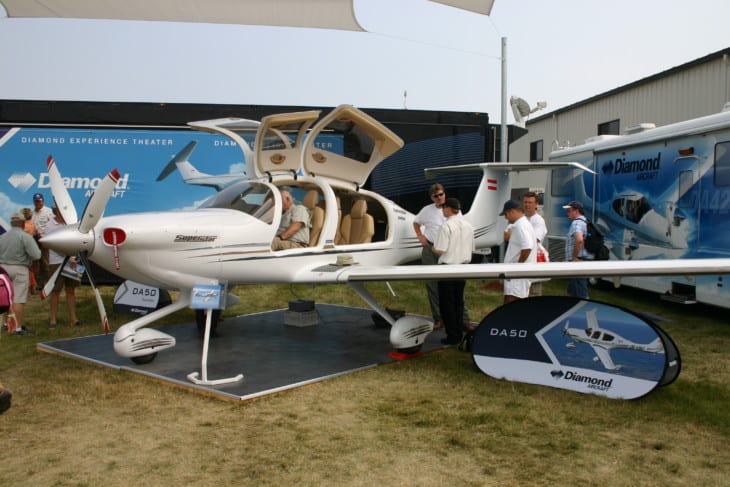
pixel 324 14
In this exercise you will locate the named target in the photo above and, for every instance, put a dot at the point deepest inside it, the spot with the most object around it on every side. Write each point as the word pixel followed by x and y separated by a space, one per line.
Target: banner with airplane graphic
pixel 576 344
pixel 85 154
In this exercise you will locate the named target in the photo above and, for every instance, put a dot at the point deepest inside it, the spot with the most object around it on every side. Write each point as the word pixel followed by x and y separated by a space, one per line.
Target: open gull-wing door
pixel 235 129
pixel 279 142
pixel 366 142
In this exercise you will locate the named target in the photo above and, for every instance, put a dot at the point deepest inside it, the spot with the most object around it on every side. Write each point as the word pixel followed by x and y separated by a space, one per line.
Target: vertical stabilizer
pixel 495 187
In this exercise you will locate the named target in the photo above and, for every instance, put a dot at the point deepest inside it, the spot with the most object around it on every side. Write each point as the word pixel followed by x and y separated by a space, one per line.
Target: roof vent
pixel 635 129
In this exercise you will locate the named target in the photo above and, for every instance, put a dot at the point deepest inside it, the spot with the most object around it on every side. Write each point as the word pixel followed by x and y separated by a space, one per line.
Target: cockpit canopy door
pixel 280 140
pixel 236 129
pixel 366 143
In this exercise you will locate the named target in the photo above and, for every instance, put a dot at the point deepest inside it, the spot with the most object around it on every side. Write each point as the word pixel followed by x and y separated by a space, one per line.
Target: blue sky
pixel 444 59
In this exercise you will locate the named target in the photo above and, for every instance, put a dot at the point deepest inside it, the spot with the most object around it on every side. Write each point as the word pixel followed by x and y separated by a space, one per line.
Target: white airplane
pixel 603 341
pixel 356 235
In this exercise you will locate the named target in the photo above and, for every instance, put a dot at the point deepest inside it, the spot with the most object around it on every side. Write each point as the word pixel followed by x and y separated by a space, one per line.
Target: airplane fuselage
pixel 609 340
pixel 177 250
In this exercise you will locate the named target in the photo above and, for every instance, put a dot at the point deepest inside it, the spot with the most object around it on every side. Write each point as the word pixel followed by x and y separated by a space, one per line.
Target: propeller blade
pixel 60 193
pixel 96 205
pixel 51 283
pixel 102 311
pixel 97 294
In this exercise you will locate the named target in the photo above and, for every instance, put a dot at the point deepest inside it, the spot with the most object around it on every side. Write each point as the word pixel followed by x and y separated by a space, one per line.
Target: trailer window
pixel 687 192
pixel 722 164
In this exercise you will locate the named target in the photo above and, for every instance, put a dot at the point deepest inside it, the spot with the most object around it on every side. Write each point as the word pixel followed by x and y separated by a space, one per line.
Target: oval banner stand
pixel 575 344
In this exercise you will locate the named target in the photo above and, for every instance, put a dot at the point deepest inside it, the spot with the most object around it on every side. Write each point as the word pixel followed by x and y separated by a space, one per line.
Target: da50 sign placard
pixel 576 344
pixel 133 298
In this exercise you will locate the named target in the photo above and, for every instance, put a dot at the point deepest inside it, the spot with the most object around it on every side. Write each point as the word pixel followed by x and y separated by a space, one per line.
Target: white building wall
pixel 688 91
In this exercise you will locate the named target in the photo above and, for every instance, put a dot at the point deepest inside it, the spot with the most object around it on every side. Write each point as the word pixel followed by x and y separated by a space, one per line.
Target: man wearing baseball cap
pixel 521 247
pixel 454 245
pixel 574 249
pixel 41 216
pixel 18 250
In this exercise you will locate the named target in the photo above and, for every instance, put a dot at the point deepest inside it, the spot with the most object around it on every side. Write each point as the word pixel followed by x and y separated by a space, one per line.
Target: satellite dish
pixel 521 109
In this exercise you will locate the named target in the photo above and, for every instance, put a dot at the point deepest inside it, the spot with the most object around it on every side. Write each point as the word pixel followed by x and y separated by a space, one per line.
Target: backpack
pixel 593 242
pixel 6 291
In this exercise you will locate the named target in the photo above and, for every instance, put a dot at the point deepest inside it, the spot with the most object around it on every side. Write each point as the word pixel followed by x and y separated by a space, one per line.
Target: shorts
pixel 519 288
pixel 20 275
pixel 62 280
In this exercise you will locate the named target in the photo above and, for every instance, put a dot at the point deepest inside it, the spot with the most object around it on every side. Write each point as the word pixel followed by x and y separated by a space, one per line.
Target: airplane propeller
pixel 51 283
pixel 92 214
pixel 60 194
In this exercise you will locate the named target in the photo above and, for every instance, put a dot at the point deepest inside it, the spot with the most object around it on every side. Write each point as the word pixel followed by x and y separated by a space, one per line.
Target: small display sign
pixel 207 296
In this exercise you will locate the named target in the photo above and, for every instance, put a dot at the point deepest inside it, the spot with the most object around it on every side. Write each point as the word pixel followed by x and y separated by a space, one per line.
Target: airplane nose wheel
pixel 144 359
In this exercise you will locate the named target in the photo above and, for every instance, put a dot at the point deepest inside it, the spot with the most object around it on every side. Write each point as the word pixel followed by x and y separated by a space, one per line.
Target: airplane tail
pixel 180 161
pixel 656 346
pixel 494 189
pixel 580 194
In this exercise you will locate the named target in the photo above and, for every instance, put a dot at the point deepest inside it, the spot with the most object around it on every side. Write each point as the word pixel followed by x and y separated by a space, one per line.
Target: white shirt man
pixel 522 247
pixel 426 224
pixel 529 206
pixel 454 245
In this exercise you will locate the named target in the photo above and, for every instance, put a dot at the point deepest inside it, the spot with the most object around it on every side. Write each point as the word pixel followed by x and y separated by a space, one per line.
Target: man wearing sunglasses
pixel 427 224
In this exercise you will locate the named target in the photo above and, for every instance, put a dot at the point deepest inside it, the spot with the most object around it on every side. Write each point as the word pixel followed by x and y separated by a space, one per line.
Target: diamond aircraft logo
pixel 22 182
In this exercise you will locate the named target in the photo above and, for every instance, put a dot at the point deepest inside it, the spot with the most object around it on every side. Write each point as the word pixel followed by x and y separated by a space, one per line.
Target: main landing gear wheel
pixel 144 359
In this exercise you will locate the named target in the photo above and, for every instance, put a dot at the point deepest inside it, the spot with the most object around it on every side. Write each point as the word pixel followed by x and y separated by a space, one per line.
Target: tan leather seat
pixel 311 202
pixel 358 227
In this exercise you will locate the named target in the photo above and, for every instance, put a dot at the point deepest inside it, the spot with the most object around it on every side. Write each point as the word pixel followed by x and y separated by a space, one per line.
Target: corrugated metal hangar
pixel 694 89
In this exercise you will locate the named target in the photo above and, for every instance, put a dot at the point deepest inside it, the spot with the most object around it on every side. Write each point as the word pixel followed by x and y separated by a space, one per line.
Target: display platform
pixel 272 355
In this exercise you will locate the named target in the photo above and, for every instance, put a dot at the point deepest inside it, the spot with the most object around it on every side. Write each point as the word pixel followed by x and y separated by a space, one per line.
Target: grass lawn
pixel 435 421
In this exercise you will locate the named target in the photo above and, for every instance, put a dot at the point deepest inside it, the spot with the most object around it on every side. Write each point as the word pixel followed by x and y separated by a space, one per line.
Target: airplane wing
pixel 604 268
pixel 605 357
pixel 591 320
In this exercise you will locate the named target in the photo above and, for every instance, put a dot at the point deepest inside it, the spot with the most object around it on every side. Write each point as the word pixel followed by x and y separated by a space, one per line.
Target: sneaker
pixel 23 332
pixel 79 323
pixel 51 326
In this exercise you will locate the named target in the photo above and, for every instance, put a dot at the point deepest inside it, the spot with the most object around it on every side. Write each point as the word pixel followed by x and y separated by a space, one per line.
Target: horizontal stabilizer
pixel 181 156
pixel 506 166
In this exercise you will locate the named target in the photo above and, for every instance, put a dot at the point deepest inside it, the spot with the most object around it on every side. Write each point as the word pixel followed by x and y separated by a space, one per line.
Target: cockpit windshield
pixel 255 199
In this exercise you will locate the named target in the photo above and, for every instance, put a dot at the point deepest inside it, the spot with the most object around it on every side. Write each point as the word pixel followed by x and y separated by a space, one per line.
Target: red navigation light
pixel 114 236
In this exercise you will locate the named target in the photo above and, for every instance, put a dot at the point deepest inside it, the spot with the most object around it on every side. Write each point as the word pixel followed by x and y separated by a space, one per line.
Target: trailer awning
pixel 323 14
